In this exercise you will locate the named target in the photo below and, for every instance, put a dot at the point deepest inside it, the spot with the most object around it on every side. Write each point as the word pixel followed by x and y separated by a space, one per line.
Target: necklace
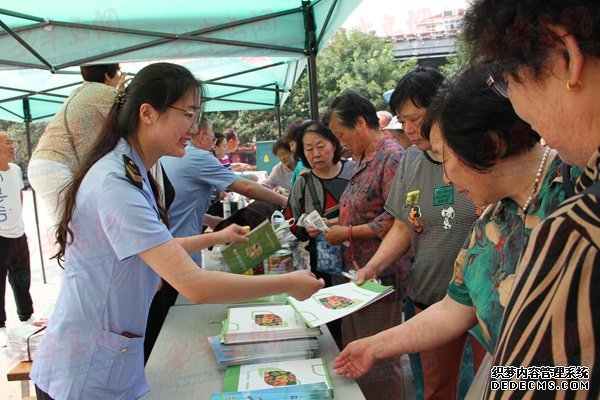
pixel 538 177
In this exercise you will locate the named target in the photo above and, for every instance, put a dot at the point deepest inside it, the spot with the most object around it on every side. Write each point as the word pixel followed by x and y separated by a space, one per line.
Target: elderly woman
pixel 549 54
pixel 480 140
pixel 434 221
pixel 320 189
pixel 363 222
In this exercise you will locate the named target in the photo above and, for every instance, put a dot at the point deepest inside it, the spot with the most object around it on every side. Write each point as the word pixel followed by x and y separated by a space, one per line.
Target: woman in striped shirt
pixel 547 54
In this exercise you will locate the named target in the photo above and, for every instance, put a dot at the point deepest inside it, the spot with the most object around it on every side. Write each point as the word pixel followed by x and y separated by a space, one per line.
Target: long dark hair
pixel 159 85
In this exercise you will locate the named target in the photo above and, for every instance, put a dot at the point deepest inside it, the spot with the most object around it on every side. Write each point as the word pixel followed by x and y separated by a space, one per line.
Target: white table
pixel 182 365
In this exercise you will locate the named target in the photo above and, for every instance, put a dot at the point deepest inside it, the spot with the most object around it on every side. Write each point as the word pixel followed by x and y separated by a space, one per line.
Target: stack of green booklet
pixel 263 324
pixel 252 353
pixel 276 375
pixel 334 302
pixel 262 242
pixel 311 391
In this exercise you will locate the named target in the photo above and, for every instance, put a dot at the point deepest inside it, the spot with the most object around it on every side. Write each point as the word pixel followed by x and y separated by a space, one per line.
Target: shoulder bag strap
pixel 313 192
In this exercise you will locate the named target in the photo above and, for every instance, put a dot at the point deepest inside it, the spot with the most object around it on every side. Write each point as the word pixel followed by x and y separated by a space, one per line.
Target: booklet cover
pixel 264 323
pixel 334 302
pixel 311 391
pixel 262 242
pixel 276 374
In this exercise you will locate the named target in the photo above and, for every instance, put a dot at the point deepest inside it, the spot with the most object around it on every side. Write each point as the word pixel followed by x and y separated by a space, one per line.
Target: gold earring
pixel 574 88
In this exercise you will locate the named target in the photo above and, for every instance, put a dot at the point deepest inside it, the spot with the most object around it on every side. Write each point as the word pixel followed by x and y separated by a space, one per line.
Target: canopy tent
pixel 233 83
pixel 54 36
pixel 40 42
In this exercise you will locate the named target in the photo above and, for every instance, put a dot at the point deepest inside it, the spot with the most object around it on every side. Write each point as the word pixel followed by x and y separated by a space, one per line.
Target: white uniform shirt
pixel 11 219
pixel 107 289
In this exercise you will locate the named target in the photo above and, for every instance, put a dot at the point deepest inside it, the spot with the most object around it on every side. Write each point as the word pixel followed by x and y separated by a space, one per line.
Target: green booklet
pixel 262 243
pixel 276 374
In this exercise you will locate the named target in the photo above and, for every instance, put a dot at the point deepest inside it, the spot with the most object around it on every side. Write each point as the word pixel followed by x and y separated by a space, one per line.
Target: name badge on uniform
pixel 443 195
pixel 413 198
pixel 132 172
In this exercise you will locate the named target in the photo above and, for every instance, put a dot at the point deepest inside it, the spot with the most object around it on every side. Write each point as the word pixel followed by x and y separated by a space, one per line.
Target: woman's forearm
pixel 439 324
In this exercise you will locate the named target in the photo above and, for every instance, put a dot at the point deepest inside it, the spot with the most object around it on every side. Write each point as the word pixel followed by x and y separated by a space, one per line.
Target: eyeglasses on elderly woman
pixel 499 85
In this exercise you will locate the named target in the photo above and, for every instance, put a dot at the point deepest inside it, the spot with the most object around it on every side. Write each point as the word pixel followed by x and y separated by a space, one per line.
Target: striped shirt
pixel 553 315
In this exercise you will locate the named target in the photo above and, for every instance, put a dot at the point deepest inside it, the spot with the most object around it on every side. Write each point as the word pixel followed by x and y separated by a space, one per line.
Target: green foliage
pixel 457 63
pixel 351 60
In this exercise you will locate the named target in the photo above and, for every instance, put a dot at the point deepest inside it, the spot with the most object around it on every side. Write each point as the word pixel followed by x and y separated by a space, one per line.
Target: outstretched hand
pixel 303 284
pixel 233 233
pixel 355 360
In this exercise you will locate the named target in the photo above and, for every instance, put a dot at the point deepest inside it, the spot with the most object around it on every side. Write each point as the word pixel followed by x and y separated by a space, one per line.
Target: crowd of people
pixel 475 196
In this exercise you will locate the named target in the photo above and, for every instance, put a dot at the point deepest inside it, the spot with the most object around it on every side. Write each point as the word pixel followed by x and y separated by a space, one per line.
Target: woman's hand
pixel 313 233
pixel 233 233
pixel 123 79
pixel 337 235
pixel 356 359
pixel 366 273
pixel 330 221
pixel 302 284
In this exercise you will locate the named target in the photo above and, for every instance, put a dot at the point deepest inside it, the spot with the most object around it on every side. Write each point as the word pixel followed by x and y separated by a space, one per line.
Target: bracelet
pixel 351 243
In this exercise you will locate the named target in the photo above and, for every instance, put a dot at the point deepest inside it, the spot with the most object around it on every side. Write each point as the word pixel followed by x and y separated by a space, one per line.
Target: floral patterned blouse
pixel 484 270
pixel 362 203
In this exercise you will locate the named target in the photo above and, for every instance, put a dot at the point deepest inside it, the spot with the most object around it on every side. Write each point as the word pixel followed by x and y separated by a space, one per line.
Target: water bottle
pixel 226 207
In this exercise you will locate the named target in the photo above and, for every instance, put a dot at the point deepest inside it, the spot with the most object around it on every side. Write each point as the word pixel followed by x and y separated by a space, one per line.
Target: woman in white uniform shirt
pixel 113 237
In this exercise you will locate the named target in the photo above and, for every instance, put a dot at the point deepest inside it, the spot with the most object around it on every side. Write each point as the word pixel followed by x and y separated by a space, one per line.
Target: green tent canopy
pixel 233 83
pixel 249 52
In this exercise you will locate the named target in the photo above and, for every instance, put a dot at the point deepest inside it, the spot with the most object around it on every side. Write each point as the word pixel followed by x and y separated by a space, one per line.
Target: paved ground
pixel 43 294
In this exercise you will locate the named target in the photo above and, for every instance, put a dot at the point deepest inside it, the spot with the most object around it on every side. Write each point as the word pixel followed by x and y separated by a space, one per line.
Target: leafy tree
pixel 351 60
pixel 456 63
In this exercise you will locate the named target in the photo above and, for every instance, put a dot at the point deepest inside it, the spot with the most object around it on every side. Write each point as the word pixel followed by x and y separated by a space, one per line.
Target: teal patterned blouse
pixel 484 270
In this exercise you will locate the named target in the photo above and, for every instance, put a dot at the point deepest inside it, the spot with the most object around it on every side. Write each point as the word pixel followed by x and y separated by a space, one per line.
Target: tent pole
pixel 278 110
pixel 27 111
pixel 311 50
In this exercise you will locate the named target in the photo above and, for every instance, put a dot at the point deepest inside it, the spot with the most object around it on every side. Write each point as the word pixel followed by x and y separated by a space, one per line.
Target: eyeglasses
pixel 196 115
pixel 498 85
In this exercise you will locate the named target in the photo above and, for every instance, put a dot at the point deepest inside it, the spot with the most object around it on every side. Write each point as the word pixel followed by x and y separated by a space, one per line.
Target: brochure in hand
pixel 334 302
pixel 263 324
pixel 262 242
pixel 311 391
pixel 276 374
